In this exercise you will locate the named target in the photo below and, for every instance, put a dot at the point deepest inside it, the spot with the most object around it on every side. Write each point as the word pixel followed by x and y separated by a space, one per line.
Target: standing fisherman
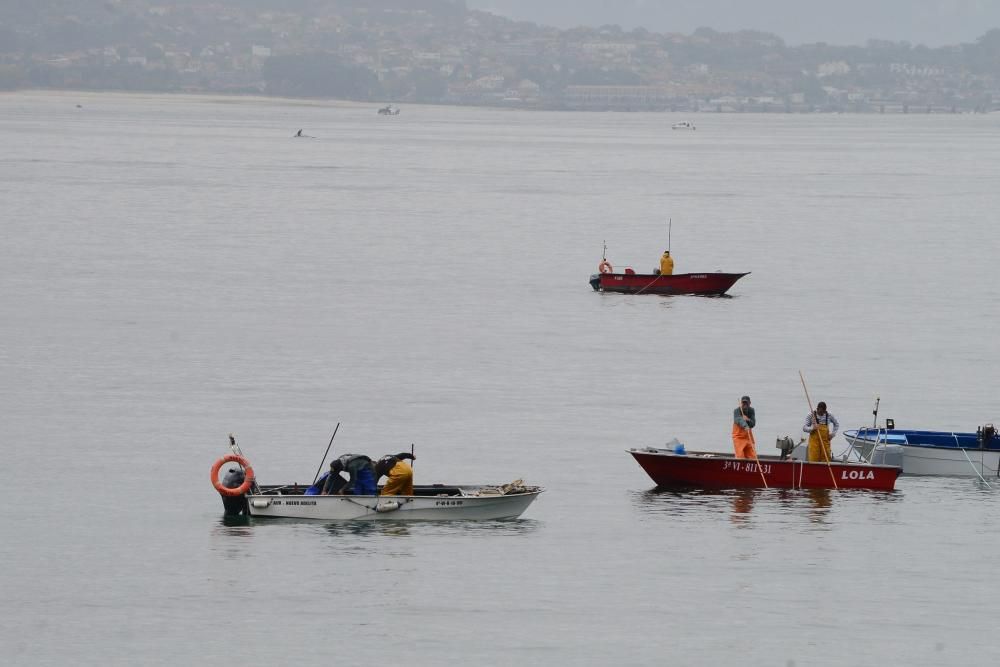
pixel 666 264
pixel 744 419
pixel 818 426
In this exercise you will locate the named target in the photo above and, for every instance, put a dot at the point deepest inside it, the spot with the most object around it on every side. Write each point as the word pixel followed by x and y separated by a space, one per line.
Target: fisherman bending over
pixel 399 472
pixel 361 476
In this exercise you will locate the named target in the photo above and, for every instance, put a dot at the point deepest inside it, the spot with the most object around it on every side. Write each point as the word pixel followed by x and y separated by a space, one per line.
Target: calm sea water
pixel 176 268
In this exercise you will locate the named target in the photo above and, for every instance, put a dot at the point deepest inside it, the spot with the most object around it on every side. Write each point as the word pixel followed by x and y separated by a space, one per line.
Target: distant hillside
pixel 930 22
pixel 442 51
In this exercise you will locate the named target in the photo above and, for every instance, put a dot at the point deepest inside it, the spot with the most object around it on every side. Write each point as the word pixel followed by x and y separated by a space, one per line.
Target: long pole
pixel 670 224
pixel 753 444
pixel 326 452
pixel 816 422
pixel 875 413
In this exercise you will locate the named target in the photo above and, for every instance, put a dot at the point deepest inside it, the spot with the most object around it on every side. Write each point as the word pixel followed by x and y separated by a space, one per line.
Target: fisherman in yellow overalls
pixel 399 472
pixel 666 264
pixel 821 427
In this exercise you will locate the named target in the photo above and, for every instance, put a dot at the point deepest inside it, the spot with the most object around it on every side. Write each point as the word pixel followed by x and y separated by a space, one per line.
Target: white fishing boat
pixel 428 503
pixel 241 495
pixel 965 454
pixel 683 125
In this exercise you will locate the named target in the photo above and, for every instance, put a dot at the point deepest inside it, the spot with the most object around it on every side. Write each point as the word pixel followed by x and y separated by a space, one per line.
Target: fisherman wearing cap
pixel 398 471
pixel 666 264
pixel 821 427
pixel 744 419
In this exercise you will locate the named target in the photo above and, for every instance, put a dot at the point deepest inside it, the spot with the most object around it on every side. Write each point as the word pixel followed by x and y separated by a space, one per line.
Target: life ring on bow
pixel 247 481
pixel 605 267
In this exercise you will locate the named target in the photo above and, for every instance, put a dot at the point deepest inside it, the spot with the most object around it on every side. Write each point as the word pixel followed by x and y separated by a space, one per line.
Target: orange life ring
pixel 605 267
pixel 242 488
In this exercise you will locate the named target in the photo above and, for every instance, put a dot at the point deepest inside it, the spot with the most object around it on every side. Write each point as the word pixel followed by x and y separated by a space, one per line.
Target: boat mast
pixel 875 413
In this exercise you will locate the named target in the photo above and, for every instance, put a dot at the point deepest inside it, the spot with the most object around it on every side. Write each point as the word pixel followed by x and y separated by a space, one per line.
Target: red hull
pixel 712 470
pixel 703 284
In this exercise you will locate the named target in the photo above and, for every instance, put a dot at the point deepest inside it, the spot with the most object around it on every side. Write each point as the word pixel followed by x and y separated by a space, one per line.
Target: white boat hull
pixel 464 507
pixel 927 460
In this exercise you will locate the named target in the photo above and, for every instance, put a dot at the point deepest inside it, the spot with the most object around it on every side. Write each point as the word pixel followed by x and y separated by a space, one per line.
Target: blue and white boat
pixel 975 454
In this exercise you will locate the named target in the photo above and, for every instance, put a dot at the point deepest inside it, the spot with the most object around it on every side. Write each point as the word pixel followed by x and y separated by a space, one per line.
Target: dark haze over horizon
pixel 847 22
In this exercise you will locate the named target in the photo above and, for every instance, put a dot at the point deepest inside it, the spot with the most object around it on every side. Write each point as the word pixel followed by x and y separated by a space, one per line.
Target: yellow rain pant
pixel 743 443
pixel 666 265
pixel 400 480
pixel 818 449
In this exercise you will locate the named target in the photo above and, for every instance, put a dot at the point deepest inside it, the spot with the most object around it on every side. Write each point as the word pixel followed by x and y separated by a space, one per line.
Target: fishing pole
pixel 326 452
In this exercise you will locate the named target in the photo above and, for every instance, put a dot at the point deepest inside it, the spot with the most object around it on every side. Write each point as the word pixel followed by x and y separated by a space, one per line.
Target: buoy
pixel 242 488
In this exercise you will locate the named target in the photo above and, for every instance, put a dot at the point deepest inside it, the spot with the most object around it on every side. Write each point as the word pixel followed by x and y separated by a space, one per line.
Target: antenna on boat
pixel 604 254
pixel 670 224
pixel 875 413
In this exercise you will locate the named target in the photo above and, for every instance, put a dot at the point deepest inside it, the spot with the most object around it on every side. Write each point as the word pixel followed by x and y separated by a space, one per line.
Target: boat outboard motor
pixel 985 435
pixel 786 445
pixel 234 505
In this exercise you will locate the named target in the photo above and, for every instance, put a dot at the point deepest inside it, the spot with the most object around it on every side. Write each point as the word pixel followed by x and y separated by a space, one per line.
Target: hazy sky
pixel 930 22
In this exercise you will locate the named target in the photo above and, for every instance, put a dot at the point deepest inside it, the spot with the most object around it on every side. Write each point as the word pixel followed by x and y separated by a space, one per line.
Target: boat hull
pixel 712 470
pixel 930 452
pixel 701 284
pixel 477 503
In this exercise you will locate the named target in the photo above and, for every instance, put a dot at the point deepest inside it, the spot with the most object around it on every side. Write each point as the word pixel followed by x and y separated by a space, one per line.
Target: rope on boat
pixel 974 466
pixel 649 285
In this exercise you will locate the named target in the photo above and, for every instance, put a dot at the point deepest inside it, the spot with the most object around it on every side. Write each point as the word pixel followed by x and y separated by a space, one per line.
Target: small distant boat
pixel 683 125
pixel 388 111
pixel 713 470
pixel 917 452
pixel 700 284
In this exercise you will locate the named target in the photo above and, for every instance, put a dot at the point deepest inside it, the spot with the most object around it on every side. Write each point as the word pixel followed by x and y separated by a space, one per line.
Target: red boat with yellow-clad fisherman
pixel 662 281
pixel 714 470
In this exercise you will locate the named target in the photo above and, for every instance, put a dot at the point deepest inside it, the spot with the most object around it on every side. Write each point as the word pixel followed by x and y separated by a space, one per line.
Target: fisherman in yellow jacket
pixel 666 264
pixel 399 472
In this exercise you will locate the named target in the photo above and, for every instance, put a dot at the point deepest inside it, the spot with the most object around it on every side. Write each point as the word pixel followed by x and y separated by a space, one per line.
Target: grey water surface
pixel 176 268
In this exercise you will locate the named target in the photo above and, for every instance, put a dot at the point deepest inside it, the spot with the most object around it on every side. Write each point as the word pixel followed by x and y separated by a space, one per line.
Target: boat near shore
pixel 242 496
pixel 715 470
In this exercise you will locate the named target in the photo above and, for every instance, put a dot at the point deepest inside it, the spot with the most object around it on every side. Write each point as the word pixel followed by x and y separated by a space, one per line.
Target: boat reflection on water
pixel 821 500
pixel 745 506
pixel 742 506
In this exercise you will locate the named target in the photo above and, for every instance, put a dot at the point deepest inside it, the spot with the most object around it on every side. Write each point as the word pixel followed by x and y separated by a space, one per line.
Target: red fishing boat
pixel 702 284
pixel 714 470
